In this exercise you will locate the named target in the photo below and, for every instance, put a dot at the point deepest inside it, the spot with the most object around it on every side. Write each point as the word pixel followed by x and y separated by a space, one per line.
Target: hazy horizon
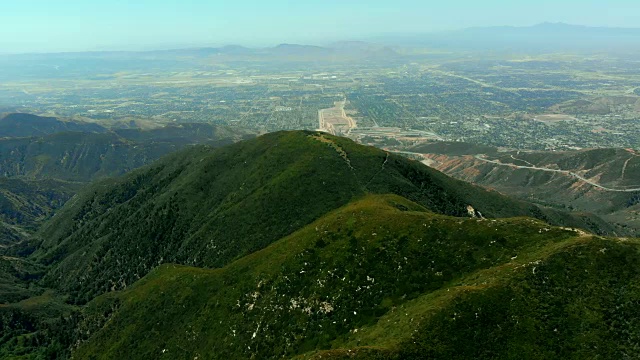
pixel 53 26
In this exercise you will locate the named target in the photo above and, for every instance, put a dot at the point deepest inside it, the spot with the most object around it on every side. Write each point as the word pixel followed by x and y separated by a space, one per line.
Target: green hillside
pixel 382 277
pixel 9 235
pixel 28 125
pixel 305 245
pixel 18 279
pixel 40 327
pixel 81 156
pixel 531 176
pixel 27 204
pixel 39 174
pixel 572 302
pixel 206 207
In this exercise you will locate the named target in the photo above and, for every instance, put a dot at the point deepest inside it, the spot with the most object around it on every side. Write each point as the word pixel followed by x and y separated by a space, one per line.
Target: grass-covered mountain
pixel 207 207
pixel 26 204
pixel 384 278
pixel 29 125
pixel 306 245
pixel 513 173
pixel 85 156
pixel 17 279
pixel 39 173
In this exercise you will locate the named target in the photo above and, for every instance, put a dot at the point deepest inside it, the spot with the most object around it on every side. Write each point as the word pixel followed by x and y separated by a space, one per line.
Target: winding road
pixel 566 172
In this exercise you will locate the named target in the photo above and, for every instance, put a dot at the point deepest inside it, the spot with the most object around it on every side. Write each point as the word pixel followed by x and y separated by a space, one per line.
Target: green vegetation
pixel 40 173
pixel 83 156
pixel 551 178
pixel 206 207
pixel 28 125
pixel 384 276
pixel 576 303
pixel 573 302
pixel 302 244
pixel 18 279
pixel 42 327
pixel 27 204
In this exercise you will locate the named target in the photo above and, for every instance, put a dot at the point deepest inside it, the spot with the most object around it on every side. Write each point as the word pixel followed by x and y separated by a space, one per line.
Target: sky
pixel 87 25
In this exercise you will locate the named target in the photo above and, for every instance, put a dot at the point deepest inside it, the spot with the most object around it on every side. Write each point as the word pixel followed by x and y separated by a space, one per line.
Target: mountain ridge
pixel 40 172
pixel 29 125
pixel 539 38
pixel 206 207
pixel 377 252
pixel 301 244
pixel 376 41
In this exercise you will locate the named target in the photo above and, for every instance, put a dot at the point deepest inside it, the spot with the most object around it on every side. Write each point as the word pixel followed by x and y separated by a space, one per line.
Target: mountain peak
pixel 278 182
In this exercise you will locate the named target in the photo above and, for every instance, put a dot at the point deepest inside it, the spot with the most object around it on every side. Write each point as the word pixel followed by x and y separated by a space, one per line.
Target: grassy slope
pixel 572 300
pixel 76 156
pixel 207 207
pixel 27 125
pixel 311 290
pixel 25 205
pixel 81 156
pixel 41 327
pixel 17 277
pixel 10 234
pixel 39 174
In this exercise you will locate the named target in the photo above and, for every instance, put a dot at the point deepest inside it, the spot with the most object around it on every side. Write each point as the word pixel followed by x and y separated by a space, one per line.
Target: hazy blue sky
pixel 63 25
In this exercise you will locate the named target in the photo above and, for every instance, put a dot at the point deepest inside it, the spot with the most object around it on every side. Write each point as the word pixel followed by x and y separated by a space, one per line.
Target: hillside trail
pixel 581 233
pixel 624 168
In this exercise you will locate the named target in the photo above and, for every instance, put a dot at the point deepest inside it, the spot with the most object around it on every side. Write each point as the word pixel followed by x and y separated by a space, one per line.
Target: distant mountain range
pixel 541 37
pixel 538 38
pixel 349 50
pixel 387 49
